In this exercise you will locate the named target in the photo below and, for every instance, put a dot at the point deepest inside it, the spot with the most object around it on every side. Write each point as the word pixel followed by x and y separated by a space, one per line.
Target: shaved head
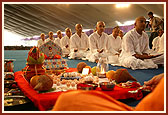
pixel 67 29
pixel 50 34
pixel 68 32
pixel 139 18
pixel 100 22
pixel 100 27
pixel 78 25
pixel 59 34
pixel 140 24
pixel 78 28
pixel 42 36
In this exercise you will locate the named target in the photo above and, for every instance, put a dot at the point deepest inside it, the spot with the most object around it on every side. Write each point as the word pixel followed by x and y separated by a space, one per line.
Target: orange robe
pixel 154 101
pixel 96 101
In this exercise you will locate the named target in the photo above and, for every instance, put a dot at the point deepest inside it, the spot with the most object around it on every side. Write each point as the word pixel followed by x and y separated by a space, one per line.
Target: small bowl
pixel 84 86
pixel 107 86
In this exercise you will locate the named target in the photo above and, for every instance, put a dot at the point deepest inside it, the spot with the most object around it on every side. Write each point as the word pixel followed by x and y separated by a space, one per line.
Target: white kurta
pixel 115 44
pixel 57 41
pixel 161 44
pixel 155 43
pixel 134 43
pixel 115 47
pixel 79 43
pixel 97 42
pixel 65 41
pixel 40 42
pixel 160 59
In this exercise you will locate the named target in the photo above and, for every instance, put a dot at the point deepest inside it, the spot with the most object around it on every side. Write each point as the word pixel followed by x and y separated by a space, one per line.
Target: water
pixel 19 55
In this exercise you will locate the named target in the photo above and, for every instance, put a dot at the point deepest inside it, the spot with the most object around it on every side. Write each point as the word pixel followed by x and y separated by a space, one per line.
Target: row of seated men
pixel 131 51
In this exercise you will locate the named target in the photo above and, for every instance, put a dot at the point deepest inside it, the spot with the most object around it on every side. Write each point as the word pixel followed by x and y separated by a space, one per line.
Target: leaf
pixel 40 60
pixel 31 60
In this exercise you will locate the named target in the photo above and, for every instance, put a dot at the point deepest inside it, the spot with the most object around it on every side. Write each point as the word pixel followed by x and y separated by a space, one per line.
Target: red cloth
pixel 45 101
pixel 71 70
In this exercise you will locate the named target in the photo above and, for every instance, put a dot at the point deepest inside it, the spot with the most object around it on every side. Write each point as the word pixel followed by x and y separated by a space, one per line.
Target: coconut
pixel 41 82
pixel 80 66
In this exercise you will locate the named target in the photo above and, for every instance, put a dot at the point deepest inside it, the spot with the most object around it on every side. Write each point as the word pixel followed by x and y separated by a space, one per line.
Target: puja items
pixel 129 84
pixel 34 63
pixel 10 101
pixel 88 79
pixel 10 84
pixel 85 86
pixel 8 65
pixel 103 67
pixel 107 86
pixel 41 82
pixel 9 76
pixel 80 66
pixel 70 76
pixel 94 70
pixel 120 75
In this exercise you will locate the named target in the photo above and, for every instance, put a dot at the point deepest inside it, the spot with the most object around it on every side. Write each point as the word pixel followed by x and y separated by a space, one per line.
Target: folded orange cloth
pixel 88 101
pixel 154 101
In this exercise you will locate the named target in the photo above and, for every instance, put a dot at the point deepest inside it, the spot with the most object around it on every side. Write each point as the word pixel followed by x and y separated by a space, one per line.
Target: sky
pixel 12 39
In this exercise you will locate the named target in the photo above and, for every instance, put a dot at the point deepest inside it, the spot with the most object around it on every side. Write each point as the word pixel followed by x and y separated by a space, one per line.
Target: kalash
pixel 34 65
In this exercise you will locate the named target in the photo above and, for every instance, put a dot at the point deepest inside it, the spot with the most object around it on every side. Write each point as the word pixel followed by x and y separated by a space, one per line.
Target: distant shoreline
pixel 17 47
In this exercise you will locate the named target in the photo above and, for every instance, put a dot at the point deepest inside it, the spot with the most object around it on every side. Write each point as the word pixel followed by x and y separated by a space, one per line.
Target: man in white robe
pixel 98 43
pixel 65 42
pixel 50 34
pixel 121 34
pixel 155 42
pixel 79 43
pixel 160 59
pixel 42 40
pixel 58 39
pixel 135 47
pixel 115 46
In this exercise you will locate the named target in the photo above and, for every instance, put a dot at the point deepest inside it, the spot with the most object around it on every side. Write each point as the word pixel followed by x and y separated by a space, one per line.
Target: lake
pixel 19 55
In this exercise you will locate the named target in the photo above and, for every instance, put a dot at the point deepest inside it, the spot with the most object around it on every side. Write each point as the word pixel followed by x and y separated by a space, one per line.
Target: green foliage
pixel 31 60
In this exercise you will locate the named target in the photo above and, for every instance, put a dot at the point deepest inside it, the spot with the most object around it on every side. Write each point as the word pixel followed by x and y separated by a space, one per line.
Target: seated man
pixel 115 46
pixel 42 40
pixel 99 44
pixel 58 39
pixel 155 42
pixel 98 101
pixel 160 59
pixel 79 43
pixel 121 34
pixel 65 42
pixel 50 34
pixel 135 47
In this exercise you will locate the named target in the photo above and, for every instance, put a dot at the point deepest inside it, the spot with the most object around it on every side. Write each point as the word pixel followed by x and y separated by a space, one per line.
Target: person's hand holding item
pixel 151 84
